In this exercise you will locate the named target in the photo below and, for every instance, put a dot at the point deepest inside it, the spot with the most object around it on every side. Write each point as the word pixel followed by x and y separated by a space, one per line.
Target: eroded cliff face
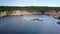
pixel 50 13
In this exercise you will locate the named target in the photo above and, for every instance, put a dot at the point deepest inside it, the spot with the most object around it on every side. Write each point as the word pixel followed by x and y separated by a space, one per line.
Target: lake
pixel 17 25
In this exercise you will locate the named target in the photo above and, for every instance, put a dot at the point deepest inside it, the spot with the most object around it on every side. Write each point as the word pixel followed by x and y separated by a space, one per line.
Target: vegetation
pixel 9 12
pixel 9 9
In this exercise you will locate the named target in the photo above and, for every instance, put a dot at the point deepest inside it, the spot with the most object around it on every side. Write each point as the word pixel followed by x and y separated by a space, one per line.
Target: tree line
pixel 28 8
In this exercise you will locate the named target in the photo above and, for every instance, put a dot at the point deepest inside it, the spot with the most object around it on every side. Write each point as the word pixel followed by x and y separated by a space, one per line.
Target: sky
pixel 30 3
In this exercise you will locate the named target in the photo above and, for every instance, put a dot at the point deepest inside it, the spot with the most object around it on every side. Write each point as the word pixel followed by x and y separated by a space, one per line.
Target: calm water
pixel 17 25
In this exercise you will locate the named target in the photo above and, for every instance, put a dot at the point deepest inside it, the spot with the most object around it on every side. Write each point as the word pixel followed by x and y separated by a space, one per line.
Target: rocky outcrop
pixel 16 12
pixel 24 12
pixel 2 14
pixel 51 13
pixel 36 13
pixel 20 12
pixel 58 15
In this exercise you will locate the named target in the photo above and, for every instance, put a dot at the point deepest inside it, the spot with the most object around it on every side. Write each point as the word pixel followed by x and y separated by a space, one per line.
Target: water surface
pixel 16 25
